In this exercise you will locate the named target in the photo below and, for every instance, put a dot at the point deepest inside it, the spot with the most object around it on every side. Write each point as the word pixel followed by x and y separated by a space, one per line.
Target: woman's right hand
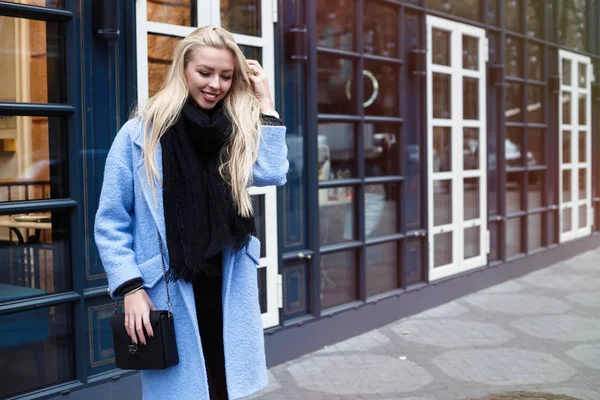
pixel 137 308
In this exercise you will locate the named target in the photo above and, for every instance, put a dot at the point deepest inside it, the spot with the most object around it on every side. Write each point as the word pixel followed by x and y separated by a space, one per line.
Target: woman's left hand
pixel 260 85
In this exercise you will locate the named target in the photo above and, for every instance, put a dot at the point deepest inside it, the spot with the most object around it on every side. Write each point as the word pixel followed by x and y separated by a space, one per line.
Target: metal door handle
pixel 303 256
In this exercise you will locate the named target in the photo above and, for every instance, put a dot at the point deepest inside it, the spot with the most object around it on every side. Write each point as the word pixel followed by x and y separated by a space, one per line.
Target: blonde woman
pixel 182 167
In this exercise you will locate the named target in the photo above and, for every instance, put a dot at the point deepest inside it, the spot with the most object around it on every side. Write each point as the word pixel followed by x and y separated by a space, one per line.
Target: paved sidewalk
pixel 539 333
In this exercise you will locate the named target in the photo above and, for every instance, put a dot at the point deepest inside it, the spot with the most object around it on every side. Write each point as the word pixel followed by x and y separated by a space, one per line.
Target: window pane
pixel 514 192
pixel 470 52
pixel 472 242
pixel 176 12
pixel 336 21
pixel 572 23
pixel 566 185
pixel 338 278
pixel 583 213
pixel 582 75
pixel 381 150
pixel 582 109
pixel 381 89
pixel 535 190
pixel 582 184
pixel 36 349
pixel 471 199
pixel 31 61
pixel 441 47
pixel 492 12
pixel 33 160
pixel 335 89
pixel 494 242
pixel 382 268
pixel 41 3
pixel 514 57
pixel 160 55
pixel 441 96
pixel 380 29
pixel 34 255
pixel 514 245
pixel 566 147
pixel 534 231
pixel 460 8
pixel 514 101
pixel 535 68
pixel 252 52
pixel 381 209
pixel 566 72
pixel 582 146
pixel 442 149
pixel 535 104
pixel 258 204
pixel 337 158
pixel 567 219
pixel 242 16
pixel 471 148
pixel 442 245
pixel 535 146
pixel 471 98
pixel 442 198
pixel 513 15
pixel 336 215
pixel 566 108
pixel 512 147
pixel 535 18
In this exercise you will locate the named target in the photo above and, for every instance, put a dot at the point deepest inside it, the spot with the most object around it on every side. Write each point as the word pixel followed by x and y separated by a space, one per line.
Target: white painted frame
pixel 456 124
pixel 575 128
pixel 267 44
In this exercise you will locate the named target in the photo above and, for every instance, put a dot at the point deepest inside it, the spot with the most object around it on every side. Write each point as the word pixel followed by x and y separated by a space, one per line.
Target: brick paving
pixel 537 337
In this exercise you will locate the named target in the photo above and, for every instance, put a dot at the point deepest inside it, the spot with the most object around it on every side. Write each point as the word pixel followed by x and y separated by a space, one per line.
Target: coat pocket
pixel 151 270
pixel 253 249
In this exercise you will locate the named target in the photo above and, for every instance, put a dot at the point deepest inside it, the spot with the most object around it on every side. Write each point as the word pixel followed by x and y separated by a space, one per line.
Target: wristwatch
pixel 271 114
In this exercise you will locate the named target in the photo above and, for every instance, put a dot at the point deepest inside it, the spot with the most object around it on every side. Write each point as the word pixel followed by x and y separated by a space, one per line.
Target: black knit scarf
pixel 200 217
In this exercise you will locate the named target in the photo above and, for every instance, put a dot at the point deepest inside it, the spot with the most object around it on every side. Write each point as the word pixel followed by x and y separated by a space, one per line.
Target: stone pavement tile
pixel 586 298
pixel 518 304
pixel 567 328
pixel 564 282
pixel 505 287
pixel 589 354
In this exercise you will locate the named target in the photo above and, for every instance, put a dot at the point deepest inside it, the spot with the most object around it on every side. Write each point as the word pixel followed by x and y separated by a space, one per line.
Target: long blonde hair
pixel 241 106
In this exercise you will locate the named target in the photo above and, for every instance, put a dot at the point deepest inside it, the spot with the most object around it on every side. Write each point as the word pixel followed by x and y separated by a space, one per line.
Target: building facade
pixel 436 147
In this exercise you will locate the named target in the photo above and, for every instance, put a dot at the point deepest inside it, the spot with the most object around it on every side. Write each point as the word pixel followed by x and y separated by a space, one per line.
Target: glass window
pixel 514 192
pixel 36 349
pixel 535 190
pixel 337 157
pixel 442 253
pixel 572 23
pixel 535 67
pixel 381 209
pixel 535 147
pixel 514 101
pixel 338 278
pixel 469 10
pixel 513 15
pixel 471 147
pixel 514 56
pixel 566 147
pixel 252 52
pixel 514 243
pixel 442 210
pixel 471 204
pixel 242 16
pixel 258 204
pixel 442 149
pixel 381 150
pixel 470 46
pixel 470 98
pixel 535 231
pixel 382 268
pixel 176 12
pixel 442 87
pixel 336 21
pixel 566 104
pixel 336 215
pixel 472 242
pixel 567 189
pixel 512 147
pixel 535 104
pixel 535 18
pixel 160 55
pixel 31 61
pixel 380 29
pixel 41 3
pixel 334 85
pixel 441 47
pixel 381 89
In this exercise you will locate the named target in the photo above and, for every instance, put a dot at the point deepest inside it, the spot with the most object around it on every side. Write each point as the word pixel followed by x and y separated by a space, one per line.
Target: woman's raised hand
pixel 260 85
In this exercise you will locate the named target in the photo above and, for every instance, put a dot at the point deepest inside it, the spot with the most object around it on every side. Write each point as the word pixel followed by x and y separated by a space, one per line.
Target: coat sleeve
pixel 272 165
pixel 114 218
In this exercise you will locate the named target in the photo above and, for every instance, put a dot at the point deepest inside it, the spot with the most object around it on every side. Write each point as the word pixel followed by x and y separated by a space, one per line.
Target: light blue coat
pixel 126 236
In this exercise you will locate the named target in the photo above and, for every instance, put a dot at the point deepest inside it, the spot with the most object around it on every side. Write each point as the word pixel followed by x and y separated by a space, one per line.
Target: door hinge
pixel 275 5
pixel 488 242
pixel 279 291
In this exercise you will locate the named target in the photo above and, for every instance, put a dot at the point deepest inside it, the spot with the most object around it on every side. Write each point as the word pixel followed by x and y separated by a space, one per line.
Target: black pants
pixel 209 309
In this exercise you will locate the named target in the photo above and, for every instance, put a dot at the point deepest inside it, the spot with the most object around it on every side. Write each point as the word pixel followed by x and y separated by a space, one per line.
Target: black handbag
pixel 160 351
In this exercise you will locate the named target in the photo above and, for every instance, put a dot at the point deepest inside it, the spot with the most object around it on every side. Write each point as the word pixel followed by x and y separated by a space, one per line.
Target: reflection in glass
pixel 442 245
pixel 535 67
pixel 336 21
pixel 33 160
pixel 513 15
pixel 442 199
pixel 36 350
pixel 535 18
pixel 566 72
pixel 535 104
pixel 381 209
pixel 582 184
pixel 535 189
pixel 566 147
pixel 567 219
pixel 513 56
pixel 338 278
pixel 494 238
pixel 512 147
pixel 41 3
pixel 472 242
pixel 336 215
pixel 176 12
pixel 382 268
pixel 471 98
pixel 381 150
pixel 582 76
pixel 337 158
pixel 252 52
pixel 471 148
pixel 582 146
pixel 534 231
pixel 160 55
pixel 492 12
pixel 470 52
pixel 572 23
pixel 566 107
pixel 31 61
pixel 334 85
pixel 381 89
pixel 460 8
pixel 553 222
pixel 380 29
pixel 583 212
pixel 241 16
pixel 258 205
pixel 471 199
pixel 441 47
pixel 535 146
pixel 582 109
pixel 442 149
pixel 441 96
pixel 566 183
pixel 514 192
pixel 514 244
pixel 514 112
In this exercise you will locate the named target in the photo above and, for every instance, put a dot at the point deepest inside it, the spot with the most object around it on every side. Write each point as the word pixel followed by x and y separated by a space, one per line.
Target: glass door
pixel 456 85
pixel 159 26
pixel 575 149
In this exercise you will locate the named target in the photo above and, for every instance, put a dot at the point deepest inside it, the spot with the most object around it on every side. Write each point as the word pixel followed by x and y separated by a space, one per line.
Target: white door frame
pixel 209 13
pixel 576 129
pixel 457 124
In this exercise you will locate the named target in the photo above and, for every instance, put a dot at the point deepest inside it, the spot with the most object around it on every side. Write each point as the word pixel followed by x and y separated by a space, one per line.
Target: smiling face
pixel 209 75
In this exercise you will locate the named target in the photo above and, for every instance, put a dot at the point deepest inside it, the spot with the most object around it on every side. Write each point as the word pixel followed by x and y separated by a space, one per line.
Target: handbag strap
pixel 164 269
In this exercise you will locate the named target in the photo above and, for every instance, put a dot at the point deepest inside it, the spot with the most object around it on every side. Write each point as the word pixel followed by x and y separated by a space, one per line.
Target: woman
pixel 180 170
